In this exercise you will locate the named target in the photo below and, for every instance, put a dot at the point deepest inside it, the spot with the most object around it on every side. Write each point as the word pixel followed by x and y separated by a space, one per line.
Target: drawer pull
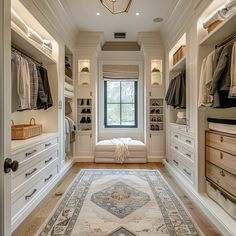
pixel 176 148
pixel 188 155
pixel 30 173
pixel 176 136
pixel 221 155
pixel 188 141
pixel 188 173
pixel 48 145
pixel 30 195
pixel 222 173
pixel 221 138
pixel 30 153
pixel 176 162
pixel 49 177
pixel 46 161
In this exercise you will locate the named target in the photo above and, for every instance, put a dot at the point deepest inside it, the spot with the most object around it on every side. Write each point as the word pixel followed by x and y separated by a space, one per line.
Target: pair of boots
pixel 86 111
pixel 85 120
pixel 83 102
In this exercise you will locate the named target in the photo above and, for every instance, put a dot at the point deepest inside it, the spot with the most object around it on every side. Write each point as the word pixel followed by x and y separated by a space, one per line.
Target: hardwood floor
pixel 33 222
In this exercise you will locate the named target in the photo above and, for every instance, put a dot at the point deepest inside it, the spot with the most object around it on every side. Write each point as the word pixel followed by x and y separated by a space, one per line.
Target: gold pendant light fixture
pixel 117 6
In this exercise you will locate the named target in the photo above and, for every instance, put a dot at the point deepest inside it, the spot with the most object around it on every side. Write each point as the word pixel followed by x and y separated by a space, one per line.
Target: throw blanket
pixel 121 149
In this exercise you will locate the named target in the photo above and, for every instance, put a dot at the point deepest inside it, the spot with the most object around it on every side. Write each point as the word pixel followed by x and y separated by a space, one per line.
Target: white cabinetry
pixel 38 170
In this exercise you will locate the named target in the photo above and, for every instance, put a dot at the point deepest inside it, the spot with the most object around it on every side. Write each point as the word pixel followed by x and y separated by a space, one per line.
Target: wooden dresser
pixel 221 169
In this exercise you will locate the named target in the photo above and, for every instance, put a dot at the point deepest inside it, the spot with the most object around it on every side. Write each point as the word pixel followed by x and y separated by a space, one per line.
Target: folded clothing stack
pixel 69 90
pixel 181 118
pixel 221 13
pixel 47 46
pixel 19 22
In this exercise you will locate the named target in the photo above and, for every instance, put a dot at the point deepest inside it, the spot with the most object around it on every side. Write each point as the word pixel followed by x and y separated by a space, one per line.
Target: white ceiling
pixel 83 12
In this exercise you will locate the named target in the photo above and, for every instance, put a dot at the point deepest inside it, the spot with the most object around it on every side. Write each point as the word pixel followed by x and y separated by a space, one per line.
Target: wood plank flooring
pixel 34 221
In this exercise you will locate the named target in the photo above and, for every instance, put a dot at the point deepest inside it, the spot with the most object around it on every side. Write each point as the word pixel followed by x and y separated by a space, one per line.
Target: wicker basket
pixel 213 26
pixel 25 131
pixel 179 54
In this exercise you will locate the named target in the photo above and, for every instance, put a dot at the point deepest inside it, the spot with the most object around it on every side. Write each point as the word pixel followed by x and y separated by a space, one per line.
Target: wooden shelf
pixel 221 32
pixel 20 40
pixel 179 66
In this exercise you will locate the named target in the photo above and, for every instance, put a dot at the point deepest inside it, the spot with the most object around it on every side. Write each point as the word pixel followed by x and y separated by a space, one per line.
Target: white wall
pixel 120 58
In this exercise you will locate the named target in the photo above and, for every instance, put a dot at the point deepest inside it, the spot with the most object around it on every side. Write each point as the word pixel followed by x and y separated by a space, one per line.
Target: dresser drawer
pixel 26 172
pixel 221 177
pixel 221 159
pixel 226 201
pixel 221 142
pixel 26 155
pixel 21 200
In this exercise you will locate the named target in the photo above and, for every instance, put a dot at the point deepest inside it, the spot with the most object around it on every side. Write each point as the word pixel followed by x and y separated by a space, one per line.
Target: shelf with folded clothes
pixel 21 40
pixel 225 14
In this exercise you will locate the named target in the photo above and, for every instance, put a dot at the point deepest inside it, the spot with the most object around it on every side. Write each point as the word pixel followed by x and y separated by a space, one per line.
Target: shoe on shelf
pixel 88 120
pixel 152 111
pixel 83 111
pixel 82 120
pixel 88 102
pixel 82 102
pixel 152 127
pixel 157 111
pixel 88 111
pixel 156 127
pixel 159 119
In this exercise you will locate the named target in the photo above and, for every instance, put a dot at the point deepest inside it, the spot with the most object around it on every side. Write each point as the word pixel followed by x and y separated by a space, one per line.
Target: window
pixel 120 103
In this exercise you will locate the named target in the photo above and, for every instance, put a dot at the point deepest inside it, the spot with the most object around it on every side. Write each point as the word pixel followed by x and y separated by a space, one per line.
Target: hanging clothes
pixel 176 93
pixel 15 64
pixel 34 78
pixel 68 109
pixel 206 76
pixel 44 94
pixel 70 129
pixel 232 91
pixel 23 84
pixel 222 80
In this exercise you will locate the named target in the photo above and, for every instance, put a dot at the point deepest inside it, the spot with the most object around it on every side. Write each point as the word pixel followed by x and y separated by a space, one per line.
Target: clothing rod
pixel 227 40
pixel 25 54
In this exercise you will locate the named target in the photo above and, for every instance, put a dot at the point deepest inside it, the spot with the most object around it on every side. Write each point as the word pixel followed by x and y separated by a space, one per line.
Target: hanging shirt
pixel 232 91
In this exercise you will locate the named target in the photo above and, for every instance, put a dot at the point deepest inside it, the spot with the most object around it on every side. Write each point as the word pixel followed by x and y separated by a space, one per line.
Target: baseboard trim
pixel 215 213
pixel 155 158
pixel 84 159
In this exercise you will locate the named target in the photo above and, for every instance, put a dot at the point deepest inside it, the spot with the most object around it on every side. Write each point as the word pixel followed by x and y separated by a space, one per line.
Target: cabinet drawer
pixel 30 153
pixel 221 159
pixel 184 140
pixel 221 177
pixel 189 173
pixel 221 142
pixel 27 172
pixel 21 201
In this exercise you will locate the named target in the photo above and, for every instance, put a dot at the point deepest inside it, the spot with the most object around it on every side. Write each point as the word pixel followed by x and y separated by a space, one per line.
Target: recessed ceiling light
pixel 98 13
pixel 137 13
pixel 158 19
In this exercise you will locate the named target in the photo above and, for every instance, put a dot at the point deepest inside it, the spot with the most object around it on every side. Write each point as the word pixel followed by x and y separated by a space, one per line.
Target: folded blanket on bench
pixel 121 150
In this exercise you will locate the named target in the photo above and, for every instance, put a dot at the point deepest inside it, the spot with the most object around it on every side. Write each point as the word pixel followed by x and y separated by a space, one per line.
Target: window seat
pixel 105 152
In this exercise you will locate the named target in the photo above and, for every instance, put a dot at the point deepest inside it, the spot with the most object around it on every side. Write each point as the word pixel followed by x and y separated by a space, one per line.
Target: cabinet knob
pixel 10 165
pixel 221 139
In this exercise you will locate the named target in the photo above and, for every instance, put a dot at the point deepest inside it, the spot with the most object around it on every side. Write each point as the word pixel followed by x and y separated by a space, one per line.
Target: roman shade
pixel 120 71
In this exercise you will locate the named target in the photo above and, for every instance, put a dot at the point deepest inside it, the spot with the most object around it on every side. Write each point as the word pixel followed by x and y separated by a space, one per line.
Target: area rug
pixel 119 203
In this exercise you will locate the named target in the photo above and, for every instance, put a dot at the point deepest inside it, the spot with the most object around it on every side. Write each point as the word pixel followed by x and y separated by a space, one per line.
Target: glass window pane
pixel 113 114
pixel 127 92
pixel 128 114
pixel 113 92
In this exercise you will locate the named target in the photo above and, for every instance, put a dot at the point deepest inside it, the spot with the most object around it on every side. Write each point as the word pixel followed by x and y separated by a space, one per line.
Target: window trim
pixel 135 106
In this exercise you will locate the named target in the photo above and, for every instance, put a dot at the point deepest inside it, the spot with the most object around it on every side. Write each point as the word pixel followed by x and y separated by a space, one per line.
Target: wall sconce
pixel 85 76
pixel 156 78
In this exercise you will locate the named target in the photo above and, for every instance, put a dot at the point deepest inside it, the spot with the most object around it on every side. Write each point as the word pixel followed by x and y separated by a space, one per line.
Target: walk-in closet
pixel 118 117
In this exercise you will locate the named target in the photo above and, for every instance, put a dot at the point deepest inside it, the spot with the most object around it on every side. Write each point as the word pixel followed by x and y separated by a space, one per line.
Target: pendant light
pixel 117 6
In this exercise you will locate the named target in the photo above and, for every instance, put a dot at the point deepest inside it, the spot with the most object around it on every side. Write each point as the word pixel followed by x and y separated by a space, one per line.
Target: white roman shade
pixel 120 71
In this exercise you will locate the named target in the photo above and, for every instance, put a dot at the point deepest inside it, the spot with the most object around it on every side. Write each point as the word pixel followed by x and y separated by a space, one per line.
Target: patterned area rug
pixel 119 203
